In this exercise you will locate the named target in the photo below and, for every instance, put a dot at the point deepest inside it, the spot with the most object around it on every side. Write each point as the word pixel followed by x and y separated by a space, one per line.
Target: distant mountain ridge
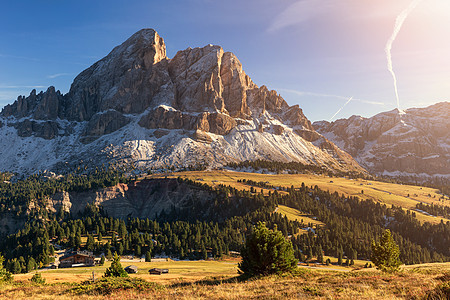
pixel 138 107
pixel 410 143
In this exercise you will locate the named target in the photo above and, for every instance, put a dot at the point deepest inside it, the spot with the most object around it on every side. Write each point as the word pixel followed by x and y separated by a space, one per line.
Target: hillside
pixel 138 108
pixel 406 196
pixel 412 144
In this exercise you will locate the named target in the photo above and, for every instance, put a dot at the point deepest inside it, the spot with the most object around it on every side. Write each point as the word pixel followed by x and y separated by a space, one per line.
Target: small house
pixel 77 259
pixel 131 269
pixel 157 271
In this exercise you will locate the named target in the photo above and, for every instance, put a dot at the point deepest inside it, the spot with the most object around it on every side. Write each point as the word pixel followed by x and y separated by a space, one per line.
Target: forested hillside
pixel 221 225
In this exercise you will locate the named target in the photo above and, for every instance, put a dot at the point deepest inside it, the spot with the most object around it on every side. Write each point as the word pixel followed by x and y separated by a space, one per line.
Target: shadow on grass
pixel 211 281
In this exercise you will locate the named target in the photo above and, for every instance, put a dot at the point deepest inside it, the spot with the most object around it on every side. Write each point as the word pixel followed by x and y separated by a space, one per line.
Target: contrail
pixel 341 108
pixel 398 25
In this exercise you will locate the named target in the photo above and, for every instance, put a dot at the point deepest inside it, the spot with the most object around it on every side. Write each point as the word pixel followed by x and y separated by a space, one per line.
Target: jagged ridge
pixel 138 106
pixel 415 142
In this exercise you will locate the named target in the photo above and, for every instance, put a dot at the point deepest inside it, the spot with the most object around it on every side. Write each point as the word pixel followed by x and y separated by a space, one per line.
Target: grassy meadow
pixel 406 196
pixel 219 280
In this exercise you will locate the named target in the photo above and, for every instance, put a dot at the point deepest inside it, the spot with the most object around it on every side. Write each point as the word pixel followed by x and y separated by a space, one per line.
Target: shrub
pixel 116 269
pixel 108 285
pixel 37 278
pixel 267 252
pixel 5 276
pixel 102 260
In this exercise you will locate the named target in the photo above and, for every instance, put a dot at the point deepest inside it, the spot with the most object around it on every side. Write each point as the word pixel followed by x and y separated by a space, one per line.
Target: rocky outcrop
pixel 47 105
pixel 414 142
pixel 138 106
pixel 46 130
pixel 105 123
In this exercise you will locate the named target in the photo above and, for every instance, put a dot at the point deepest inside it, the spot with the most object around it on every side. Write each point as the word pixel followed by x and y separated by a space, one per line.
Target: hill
pixel 405 196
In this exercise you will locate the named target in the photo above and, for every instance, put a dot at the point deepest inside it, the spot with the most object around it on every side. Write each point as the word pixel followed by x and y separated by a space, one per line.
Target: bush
pixel 108 285
pixel 37 278
pixel 267 252
pixel 385 253
pixel 5 276
pixel 102 260
pixel 116 269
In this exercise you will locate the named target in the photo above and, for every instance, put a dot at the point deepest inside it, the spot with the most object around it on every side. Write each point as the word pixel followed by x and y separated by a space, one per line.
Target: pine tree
pixel 385 253
pixel 108 254
pixel 31 264
pixel 148 256
pixel 267 252
pixel 5 276
pixel 116 269
pixel 90 243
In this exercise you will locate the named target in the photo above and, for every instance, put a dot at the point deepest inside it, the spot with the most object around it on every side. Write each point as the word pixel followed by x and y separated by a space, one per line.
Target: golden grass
pixel 187 270
pixel 387 193
pixel 413 282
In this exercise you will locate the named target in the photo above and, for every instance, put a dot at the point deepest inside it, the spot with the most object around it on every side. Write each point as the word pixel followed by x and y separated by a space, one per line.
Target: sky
pixel 314 53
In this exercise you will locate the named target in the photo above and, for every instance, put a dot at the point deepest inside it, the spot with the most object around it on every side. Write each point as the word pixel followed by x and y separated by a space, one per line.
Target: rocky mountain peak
pixel 413 142
pixel 202 98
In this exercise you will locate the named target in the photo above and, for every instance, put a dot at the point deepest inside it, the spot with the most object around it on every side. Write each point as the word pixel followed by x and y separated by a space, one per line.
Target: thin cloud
pixel 58 75
pixel 312 94
pixel 19 57
pixel 22 86
pixel 302 11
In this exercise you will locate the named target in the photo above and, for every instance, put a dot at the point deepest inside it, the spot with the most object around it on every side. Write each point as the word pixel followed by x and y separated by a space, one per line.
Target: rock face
pixel 141 199
pixel 138 106
pixel 415 142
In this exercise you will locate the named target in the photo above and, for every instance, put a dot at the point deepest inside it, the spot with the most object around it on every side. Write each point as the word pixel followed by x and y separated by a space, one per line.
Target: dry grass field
pixel 406 196
pixel 219 280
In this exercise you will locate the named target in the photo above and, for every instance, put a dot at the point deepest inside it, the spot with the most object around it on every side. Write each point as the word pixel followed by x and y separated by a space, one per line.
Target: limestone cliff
pixel 414 142
pixel 138 107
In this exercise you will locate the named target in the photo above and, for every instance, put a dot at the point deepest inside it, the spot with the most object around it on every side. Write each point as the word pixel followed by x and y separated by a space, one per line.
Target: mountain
pixel 414 142
pixel 138 107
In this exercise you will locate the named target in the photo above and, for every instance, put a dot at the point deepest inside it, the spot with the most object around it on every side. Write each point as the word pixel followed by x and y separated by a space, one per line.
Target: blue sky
pixel 315 53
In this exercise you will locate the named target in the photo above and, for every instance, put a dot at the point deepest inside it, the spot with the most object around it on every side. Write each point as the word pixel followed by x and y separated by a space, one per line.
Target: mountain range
pixel 137 107
pixel 410 143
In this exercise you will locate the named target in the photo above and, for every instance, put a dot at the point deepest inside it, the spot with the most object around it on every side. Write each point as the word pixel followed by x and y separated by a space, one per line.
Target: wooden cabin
pixel 157 271
pixel 131 269
pixel 77 259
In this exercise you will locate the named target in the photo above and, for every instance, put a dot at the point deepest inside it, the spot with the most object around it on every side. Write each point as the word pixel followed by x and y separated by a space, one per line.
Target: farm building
pixel 77 259
pixel 131 269
pixel 156 271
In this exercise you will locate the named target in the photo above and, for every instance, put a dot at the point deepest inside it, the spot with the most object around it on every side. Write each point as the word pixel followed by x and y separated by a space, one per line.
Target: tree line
pixel 219 226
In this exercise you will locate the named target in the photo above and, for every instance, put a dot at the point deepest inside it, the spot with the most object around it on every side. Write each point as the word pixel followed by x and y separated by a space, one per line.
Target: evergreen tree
pixel 31 264
pixel 90 243
pixel 108 254
pixel 204 252
pixel 267 252
pixel 339 262
pixel 148 256
pixel 385 253
pixel 102 260
pixel 5 276
pixel 116 269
